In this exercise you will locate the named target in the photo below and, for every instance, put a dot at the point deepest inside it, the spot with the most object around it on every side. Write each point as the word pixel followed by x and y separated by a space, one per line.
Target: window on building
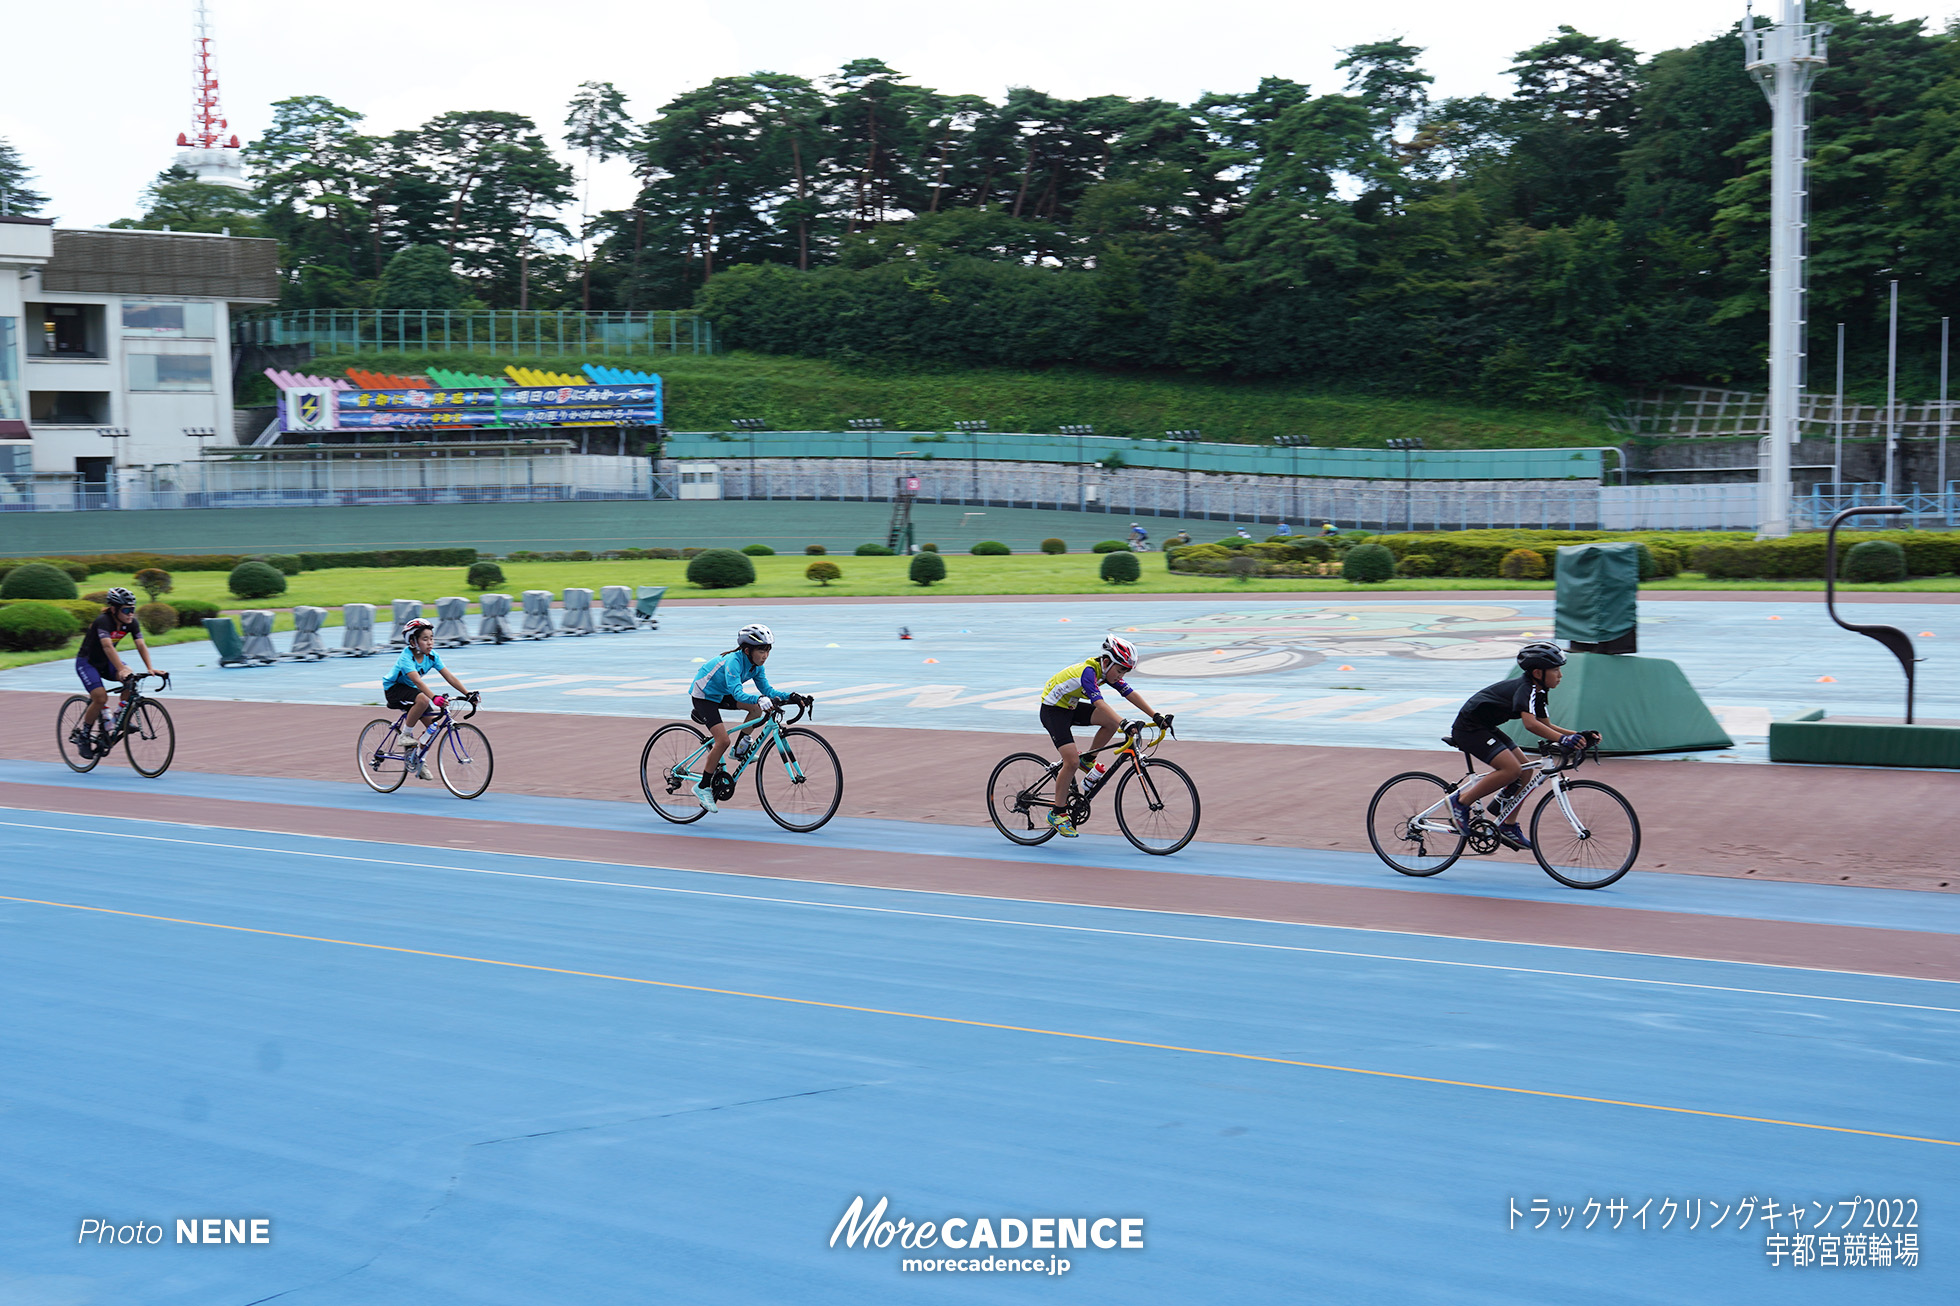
pixel 145 317
pixel 12 415
pixel 65 330
pixel 170 371
pixel 68 407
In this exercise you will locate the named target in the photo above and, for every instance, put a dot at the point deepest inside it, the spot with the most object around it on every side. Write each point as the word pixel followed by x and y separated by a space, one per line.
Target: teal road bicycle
pixel 797 774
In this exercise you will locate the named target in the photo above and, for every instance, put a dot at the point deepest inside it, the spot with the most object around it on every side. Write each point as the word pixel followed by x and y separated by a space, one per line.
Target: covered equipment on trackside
pixel 1638 705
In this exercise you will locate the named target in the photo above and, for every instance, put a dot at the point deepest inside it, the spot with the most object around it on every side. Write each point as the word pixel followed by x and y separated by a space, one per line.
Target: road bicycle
pixel 460 751
pixel 139 724
pixel 1583 833
pixel 800 791
pixel 1156 803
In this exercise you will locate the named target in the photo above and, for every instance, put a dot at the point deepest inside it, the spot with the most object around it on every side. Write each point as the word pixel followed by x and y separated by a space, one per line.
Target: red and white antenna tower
pixel 207 121
pixel 207 148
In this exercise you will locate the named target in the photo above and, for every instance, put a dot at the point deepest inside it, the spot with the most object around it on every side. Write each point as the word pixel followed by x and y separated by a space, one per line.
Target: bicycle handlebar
pixel 164 676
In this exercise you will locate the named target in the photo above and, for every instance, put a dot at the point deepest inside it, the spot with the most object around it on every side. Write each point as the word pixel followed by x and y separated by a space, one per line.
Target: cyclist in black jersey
pixel 1478 732
pixel 98 665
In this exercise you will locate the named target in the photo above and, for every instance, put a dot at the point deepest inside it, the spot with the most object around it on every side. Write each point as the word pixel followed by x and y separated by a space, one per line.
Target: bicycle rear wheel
pixel 464 762
pixel 1018 796
pixel 1408 829
pixel 149 739
pixel 67 720
pixel 377 757
pixel 1593 848
pixel 1157 808
pixel 800 781
pixel 664 779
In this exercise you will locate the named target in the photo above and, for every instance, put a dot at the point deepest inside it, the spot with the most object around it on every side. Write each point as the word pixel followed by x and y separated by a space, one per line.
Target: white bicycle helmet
pixel 1120 651
pixel 755 635
pixel 416 627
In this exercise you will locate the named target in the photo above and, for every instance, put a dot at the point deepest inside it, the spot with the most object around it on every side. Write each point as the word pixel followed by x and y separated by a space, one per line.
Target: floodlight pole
pixel 1784 60
pixel 1892 389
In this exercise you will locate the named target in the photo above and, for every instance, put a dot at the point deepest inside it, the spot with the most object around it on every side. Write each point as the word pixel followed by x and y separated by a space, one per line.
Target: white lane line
pixel 1389 711
pixel 1044 925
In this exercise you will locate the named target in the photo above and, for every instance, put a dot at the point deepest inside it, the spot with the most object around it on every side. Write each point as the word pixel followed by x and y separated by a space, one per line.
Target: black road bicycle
pixel 139 724
pixel 1156 803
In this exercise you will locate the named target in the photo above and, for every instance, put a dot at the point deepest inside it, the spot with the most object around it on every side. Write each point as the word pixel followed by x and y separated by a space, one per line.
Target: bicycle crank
pixel 724 786
pixel 1483 836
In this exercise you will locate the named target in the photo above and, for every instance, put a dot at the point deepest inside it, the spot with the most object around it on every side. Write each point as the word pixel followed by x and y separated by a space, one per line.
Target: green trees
pixel 21 200
pixel 419 277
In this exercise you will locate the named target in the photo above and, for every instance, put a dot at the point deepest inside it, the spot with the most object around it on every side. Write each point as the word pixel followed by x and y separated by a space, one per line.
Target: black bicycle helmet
pixel 1541 655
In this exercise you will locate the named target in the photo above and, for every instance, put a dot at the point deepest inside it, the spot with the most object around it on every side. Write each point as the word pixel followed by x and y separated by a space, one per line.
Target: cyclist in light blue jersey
pixel 720 686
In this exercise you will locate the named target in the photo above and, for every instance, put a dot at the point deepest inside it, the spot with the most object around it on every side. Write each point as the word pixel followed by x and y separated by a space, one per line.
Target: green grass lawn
pixel 804 394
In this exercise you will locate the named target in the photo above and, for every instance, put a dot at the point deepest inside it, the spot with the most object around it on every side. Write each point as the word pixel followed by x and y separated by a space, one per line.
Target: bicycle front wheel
pixel 378 757
pixel 800 782
pixel 1587 841
pixel 67 720
pixel 1018 796
pixel 149 739
pixel 1157 807
pixel 463 761
pixel 1409 824
pixel 664 776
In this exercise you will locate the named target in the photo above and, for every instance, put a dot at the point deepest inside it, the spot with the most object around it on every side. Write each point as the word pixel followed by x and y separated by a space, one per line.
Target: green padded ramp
pixel 1598 588
pixel 1862 743
pixel 1638 705
pixel 225 638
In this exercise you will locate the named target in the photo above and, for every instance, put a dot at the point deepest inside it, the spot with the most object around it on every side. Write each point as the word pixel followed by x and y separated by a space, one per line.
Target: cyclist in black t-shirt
pixel 97 661
pixel 1478 732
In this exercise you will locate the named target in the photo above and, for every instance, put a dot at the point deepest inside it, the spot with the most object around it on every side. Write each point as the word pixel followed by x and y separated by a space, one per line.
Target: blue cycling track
pixel 543 1048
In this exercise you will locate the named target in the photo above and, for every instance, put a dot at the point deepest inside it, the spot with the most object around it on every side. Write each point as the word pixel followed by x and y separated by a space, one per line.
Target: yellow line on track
pixel 988 1024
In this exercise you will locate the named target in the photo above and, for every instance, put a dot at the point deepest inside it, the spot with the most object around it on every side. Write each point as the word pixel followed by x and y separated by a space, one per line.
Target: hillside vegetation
pixel 704 393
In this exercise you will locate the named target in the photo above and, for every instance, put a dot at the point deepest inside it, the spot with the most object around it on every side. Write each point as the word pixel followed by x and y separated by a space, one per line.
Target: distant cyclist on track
pixel 97 664
pixel 1073 697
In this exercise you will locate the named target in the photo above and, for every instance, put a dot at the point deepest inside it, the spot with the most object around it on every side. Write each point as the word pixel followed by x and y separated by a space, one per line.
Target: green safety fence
pixel 1197 456
pixel 477 331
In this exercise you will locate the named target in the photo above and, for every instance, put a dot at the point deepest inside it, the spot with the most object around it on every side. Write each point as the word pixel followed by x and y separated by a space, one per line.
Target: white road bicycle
pixel 1583 833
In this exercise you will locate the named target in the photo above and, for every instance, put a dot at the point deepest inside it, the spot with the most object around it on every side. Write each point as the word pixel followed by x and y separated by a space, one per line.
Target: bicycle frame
pixel 1131 746
pixel 440 730
pixel 767 731
pixel 126 707
pixel 1547 768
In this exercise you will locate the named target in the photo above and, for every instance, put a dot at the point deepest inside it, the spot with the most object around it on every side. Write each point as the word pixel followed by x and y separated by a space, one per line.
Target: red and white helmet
pixel 1121 652
pixel 416 627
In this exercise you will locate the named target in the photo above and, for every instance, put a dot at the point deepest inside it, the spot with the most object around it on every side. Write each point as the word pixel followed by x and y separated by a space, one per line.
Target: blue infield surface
pixel 447 1076
pixel 1353 672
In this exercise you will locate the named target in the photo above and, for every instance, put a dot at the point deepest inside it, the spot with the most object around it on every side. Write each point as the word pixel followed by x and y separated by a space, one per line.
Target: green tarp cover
pixel 1638 705
pixel 1862 743
pixel 1598 585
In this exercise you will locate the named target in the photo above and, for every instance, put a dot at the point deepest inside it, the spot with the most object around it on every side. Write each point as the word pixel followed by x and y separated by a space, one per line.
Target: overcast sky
pixel 97 90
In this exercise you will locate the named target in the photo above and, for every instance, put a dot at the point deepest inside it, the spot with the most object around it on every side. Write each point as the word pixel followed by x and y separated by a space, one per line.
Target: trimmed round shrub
pixel 661 552
pixel 721 569
pixel 97 596
pixel 194 611
pixel 927 568
pixel 31 627
pixel 257 580
pixel 758 551
pixel 1110 546
pixel 873 551
pixel 816 550
pixel 1121 568
pixel 485 575
pixel 1054 546
pixel 157 618
pixel 928 547
pixel 1520 564
pixel 1417 564
pixel 580 555
pixel 75 571
pixel 154 581
pixel 824 572
pixel 1875 562
pixel 1370 564
pixel 1667 562
pixel 38 580
pixel 990 549
pixel 287 563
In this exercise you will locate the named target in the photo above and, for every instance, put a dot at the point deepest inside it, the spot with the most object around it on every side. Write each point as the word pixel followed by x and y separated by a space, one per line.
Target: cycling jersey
pixel 723 678
pixel 106 626
pixel 1079 683
pixel 407 662
pixel 1493 705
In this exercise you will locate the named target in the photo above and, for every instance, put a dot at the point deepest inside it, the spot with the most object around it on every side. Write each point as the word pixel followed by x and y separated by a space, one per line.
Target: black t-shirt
pixel 107 625
pixel 1493 705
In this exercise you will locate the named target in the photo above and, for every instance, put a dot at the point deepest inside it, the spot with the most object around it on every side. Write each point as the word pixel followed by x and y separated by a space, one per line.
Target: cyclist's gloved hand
pixel 1572 743
pixel 766 703
pixel 1159 720
pixel 802 700
pixel 440 700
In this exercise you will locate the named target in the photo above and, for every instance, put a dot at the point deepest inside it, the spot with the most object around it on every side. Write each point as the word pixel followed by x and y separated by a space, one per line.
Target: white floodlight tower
pixel 1784 60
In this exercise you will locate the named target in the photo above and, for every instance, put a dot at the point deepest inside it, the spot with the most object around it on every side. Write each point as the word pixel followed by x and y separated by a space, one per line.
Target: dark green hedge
pixel 1801 557
pixel 390 558
pixel 1482 553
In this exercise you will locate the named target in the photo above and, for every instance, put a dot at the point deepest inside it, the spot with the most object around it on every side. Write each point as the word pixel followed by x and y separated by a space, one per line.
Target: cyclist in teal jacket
pixel 720 686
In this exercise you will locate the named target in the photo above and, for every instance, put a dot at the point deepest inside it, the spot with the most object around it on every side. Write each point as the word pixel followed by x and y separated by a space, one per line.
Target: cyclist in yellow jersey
pixel 1073 697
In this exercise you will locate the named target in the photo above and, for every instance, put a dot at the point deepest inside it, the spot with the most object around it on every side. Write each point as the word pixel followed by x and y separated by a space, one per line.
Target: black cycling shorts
pixel 1484 745
pixel 402 695
pixel 708 713
pixel 1060 722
